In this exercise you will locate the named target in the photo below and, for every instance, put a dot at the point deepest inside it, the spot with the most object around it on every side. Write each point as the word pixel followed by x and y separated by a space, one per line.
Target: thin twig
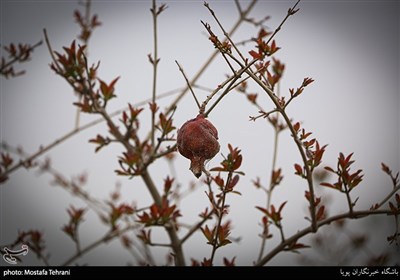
pixel 213 55
pixel 217 229
pixel 170 228
pixel 155 61
pixel 160 245
pixel 231 82
pixel 43 149
pixel 93 203
pixel 271 184
pixel 86 42
pixel 290 12
pixel 188 84
pixel 355 215
pixel 226 34
pixel 106 238
pixel 299 145
pixel 18 58
pixel 389 196
pixel 349 202
pixel 46 37
pixel 196 227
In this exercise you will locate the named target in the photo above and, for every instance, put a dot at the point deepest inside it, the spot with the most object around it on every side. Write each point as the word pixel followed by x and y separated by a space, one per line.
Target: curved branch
pixel 310 229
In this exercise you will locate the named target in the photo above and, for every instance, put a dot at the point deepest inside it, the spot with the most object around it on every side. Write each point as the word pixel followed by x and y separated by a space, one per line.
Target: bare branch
pixel 188 84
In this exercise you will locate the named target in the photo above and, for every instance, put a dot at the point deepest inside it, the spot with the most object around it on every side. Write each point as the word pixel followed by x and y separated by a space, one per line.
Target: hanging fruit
pixel 198 141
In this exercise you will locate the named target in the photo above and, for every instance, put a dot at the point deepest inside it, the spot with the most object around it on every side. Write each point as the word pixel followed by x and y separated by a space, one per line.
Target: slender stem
pixel 46 148
pixel 106 238
pixel 188 84
pixel 87 15
pixel 202 69
pixel 78 114
pixel 155 60
pixel 299 145
pixel 93 203
pixel 226 34
pixel 176 244
pixel 196 227
pixel 397 229
pixel 46 37
pixel 86 42
pixel 389 196
pixel 160 245
pixel 220 216
pixel 290 12
pixel 170 228
pixel 355 215
pixel 77 244
pixel 281 232
pixel 231 82
pixel 271 184
pixel 349 202
pixel 18 58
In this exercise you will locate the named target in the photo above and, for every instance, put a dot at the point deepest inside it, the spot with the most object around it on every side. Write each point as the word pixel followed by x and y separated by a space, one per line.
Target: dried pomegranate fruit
pixel 198 141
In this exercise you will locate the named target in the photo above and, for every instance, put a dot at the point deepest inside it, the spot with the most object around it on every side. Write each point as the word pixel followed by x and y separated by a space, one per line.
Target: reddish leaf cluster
pixel 5 162
pixel 165 126
pixel 320 209
pixel 232 162
pixel 265 224
pixel 277 72
pixel 300 89
pixel 33 239
pixel 273 214
pixel 167 185
pixel 346 180
pixel 204 262
pixel 16 53
pixel 229 262
pixel 276 177
pixel 75 218
pixel 86 24
pixel 132 162
pixel 224 47
pixel 100 141
pixel 159 214
pixel 263 49
pixel 221 236
pixel 117 212
pixel 314 151
pixel 230 183
pixel 130 120
pixel 388 171
pixel 73 66
pixel 277 124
